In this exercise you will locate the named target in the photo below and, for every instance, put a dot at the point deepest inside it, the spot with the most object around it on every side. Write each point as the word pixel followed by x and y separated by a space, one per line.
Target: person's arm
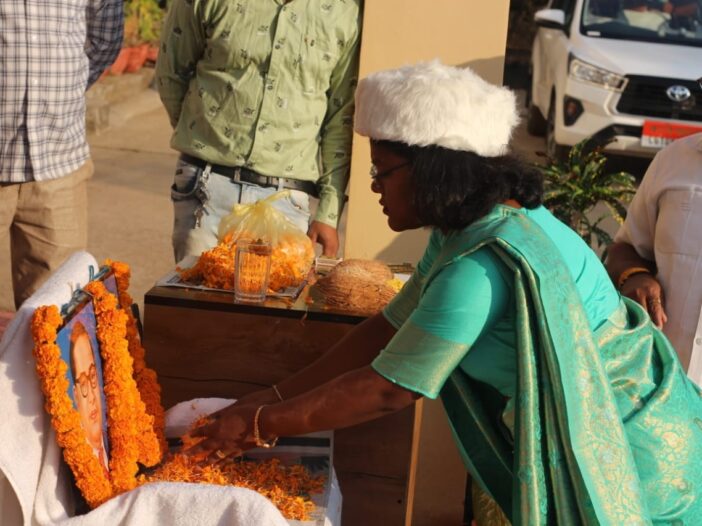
pixel 633 250
pixel 356 349
pixel 350 399
pixel 104 21
pixel 182 45
pixel 336 135
pixel 416 362
pixel 362 344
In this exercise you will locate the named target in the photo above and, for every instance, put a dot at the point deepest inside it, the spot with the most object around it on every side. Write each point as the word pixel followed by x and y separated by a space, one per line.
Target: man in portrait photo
pixel 87 391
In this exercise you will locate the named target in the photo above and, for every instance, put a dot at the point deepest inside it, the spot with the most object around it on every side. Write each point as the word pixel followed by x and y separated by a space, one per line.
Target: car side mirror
pixel 550 18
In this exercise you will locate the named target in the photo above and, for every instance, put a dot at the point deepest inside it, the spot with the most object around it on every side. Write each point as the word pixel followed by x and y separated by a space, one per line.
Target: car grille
pixel 647 96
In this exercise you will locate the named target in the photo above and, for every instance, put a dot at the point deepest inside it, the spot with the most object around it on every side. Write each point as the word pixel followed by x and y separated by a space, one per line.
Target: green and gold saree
pixel 607 427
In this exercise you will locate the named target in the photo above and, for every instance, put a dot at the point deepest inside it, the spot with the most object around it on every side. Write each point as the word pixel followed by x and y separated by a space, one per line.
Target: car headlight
pixel 585 72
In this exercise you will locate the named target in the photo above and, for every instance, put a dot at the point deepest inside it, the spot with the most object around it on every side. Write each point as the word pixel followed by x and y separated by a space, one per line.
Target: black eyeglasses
pixel 87 378
pixel 375 174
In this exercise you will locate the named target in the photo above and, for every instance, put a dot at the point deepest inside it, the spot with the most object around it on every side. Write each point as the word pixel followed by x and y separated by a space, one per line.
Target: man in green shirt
pixel 260 96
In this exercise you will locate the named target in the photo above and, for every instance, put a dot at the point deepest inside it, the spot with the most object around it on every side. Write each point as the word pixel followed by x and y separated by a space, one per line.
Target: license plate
pixel 660 134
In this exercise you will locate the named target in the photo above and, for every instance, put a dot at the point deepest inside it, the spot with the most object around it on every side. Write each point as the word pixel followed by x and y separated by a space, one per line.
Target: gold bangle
pixel 257 432
pixel 631 271
pixel 280 396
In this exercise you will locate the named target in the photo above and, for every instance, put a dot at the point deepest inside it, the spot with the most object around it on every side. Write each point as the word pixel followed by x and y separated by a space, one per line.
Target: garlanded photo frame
pixel 135 418
pixel 100 320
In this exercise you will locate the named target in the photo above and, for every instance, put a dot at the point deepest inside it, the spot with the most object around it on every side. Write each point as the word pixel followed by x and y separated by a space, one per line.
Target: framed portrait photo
pixel 81 352
pixel 104 402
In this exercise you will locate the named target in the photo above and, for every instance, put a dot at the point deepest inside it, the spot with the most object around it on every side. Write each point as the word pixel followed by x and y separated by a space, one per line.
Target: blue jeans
pixel 201 198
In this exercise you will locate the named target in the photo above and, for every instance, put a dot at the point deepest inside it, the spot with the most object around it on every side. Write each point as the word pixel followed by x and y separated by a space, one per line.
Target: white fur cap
pixel 434 104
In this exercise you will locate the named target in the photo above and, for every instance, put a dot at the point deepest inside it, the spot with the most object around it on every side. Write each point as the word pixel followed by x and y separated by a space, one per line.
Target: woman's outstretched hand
pixel 226 434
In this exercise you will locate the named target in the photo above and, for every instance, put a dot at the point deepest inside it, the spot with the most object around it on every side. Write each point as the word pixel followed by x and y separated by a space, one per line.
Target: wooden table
pixel 203 344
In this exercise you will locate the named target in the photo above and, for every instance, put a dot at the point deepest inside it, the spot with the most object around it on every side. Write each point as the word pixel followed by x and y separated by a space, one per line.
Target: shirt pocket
pixel 317 60
pixel 679 222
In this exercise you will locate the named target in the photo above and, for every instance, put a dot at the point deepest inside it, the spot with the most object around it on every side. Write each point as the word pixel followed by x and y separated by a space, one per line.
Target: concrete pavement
pixel 130 213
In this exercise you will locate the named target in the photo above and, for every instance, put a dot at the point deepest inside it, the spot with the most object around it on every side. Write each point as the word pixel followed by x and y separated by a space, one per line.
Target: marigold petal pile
pixel 291 261
pixel 288 487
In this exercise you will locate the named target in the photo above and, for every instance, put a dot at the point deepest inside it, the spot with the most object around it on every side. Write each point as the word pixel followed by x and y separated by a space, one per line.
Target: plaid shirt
pixel 50 52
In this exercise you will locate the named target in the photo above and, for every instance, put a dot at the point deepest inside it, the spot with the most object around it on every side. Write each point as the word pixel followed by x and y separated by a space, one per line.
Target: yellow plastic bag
pixel 293 252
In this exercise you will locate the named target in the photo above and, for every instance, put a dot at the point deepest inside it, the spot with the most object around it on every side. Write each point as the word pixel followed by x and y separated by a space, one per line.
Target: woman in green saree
pixel 567 404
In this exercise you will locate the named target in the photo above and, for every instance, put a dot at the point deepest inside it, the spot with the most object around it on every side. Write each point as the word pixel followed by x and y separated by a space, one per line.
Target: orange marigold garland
pixel 120 389
pixel 88 473
pixel 130 427
pixel 146 379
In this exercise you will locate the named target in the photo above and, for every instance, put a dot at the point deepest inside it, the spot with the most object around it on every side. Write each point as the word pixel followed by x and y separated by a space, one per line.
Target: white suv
pixel 622 69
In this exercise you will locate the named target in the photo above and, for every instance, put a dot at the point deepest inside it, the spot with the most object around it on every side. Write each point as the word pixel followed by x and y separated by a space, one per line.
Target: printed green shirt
pixel 267 85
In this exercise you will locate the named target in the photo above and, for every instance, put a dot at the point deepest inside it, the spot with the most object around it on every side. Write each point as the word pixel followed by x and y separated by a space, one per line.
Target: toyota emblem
pixel 678 93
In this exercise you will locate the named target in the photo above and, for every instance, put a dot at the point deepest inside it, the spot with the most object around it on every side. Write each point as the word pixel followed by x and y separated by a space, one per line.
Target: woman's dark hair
pixel 455 188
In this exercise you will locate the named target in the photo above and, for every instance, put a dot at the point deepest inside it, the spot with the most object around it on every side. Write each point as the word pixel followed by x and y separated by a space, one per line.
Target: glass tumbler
pixel 252 265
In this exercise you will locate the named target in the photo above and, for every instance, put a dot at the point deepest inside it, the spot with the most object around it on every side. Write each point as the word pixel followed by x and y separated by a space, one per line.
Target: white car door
pixel 550 56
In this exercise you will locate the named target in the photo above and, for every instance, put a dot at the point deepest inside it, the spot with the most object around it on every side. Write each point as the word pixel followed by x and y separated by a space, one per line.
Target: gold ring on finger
pixel 655 301
pixel 220 454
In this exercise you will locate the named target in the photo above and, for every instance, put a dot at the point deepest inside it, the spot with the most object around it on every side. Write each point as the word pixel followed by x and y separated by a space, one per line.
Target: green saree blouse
pixel 567 404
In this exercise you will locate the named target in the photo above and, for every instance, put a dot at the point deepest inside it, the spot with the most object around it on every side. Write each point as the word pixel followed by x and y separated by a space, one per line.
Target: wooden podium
pixel 203 344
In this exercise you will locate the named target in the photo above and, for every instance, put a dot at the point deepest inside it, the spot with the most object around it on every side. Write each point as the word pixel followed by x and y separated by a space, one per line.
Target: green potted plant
pixel 574 187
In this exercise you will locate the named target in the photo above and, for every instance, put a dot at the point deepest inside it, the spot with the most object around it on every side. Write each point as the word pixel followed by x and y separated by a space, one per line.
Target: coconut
pixel 358 285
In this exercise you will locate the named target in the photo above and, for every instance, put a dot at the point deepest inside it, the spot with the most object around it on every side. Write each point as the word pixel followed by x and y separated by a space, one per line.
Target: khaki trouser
pixel 47 222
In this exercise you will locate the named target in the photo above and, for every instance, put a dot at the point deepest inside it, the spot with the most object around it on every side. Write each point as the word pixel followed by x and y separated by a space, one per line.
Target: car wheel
pixel 555 151
pixel 536 124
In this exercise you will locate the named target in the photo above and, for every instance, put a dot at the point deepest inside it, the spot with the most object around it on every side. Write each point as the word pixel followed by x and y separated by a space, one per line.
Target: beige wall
pixel 397 32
